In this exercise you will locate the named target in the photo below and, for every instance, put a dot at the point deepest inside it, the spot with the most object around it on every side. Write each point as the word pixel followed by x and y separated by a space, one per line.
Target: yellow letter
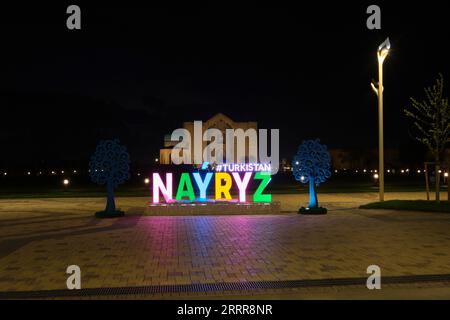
pixel 223 189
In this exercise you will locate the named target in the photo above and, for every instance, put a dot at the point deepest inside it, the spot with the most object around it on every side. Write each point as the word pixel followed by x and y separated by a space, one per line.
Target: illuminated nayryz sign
pixel 224 177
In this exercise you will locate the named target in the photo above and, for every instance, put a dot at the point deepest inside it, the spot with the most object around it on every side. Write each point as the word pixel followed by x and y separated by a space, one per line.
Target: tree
pixel 312 165
pixel 431 120
pixel 109 166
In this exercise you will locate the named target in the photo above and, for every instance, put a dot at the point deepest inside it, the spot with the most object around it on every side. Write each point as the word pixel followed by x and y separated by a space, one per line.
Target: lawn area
pixel 410 205
pixel 80 186
pixel 24 187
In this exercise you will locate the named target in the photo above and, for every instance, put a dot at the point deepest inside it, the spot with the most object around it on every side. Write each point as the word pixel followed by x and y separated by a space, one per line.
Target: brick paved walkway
pixel 40 238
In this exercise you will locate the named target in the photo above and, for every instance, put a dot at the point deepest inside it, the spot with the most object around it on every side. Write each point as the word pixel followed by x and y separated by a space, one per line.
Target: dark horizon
pixel 138 73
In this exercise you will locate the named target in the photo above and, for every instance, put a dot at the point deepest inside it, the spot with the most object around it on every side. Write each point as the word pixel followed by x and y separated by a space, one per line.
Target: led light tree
pixel 110 166
pixel 312 165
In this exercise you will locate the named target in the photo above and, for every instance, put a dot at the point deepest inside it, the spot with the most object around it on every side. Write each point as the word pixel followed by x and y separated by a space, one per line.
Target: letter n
pixel 158 185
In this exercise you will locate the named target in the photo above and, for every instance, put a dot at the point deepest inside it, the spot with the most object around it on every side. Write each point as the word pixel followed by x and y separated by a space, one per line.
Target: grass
pixel 88 192
pixel 80 186
pixel 410 205
pixel 71 193
pixel 81 190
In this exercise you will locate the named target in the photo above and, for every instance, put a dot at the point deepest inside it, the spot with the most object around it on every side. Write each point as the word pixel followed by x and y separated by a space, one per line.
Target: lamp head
pixel 383 50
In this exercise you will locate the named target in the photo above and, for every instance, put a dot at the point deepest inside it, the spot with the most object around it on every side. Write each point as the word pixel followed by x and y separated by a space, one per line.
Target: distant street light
pixel 66 182
pixel 382 53
pixel 147 181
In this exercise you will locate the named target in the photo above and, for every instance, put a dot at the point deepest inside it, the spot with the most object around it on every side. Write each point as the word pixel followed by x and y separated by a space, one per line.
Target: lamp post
pixel 382 53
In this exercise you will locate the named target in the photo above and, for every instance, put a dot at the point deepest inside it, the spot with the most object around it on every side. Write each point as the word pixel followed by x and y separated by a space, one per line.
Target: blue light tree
pixel 110 166
pixel 312 165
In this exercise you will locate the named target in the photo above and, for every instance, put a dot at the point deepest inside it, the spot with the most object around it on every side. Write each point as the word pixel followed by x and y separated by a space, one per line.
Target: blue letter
pixel 202 184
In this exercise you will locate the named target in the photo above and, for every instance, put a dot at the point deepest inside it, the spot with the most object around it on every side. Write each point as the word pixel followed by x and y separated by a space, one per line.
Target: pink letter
pixel 159 185
pixel 242 184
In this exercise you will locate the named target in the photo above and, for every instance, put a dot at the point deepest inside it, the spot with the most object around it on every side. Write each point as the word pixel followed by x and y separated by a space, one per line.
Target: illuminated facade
pixel 219 121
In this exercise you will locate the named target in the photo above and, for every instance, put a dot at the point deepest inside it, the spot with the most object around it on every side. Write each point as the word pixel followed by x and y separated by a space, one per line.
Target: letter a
pixel 374 280
pixel 74 20
pixel 74 281
pixel 374 20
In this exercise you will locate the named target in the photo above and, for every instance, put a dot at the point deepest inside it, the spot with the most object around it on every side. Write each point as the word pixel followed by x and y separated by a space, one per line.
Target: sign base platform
pixel 211 208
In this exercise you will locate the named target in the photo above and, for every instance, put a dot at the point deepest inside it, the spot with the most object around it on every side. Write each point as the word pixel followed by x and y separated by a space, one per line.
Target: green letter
pixel 185 180
pixel 258 196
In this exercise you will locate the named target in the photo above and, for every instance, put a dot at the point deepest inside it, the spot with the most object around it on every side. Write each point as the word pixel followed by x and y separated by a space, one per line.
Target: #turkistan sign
pixel 222 178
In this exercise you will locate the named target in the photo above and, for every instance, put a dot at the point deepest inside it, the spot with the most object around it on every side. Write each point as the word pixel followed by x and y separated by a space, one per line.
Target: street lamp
pixel 382 53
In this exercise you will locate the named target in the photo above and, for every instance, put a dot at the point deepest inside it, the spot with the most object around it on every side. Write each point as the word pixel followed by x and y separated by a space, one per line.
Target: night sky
pixel 136 73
